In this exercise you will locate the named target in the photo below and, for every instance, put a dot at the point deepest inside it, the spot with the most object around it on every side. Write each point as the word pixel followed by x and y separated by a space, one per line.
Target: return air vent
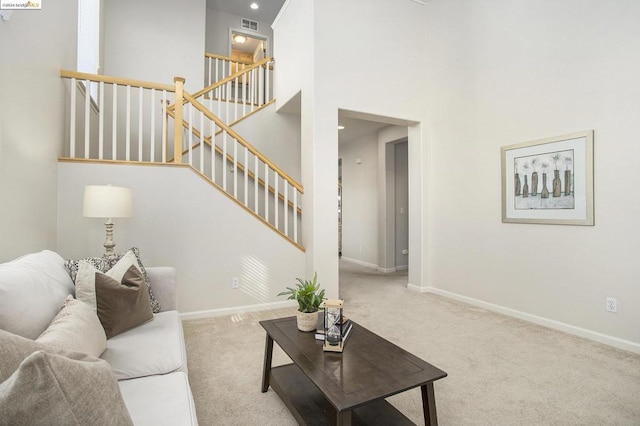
pixel 249 24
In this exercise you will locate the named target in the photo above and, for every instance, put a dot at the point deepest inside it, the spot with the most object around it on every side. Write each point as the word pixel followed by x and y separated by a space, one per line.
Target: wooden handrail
pixel 116 80
pixel 242 141
pixel 225 58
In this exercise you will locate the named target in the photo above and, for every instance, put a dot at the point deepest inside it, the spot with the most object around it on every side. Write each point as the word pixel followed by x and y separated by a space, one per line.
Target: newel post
pixel 177 122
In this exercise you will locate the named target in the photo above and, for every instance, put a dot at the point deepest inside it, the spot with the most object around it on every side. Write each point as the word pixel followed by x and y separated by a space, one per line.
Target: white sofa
pixel 149 361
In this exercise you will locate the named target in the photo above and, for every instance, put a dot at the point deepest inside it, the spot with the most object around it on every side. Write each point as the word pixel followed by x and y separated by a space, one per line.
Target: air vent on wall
pixel 249 24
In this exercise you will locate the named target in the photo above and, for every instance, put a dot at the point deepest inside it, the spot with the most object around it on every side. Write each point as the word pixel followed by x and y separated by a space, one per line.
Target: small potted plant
pixel 309 297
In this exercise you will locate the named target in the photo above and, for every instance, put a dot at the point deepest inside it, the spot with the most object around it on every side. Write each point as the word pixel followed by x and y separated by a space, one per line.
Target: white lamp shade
pixel 107 201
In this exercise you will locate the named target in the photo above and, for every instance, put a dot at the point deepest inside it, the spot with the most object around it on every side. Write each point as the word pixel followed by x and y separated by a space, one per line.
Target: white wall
pixel 180 220
pixel 155 40
pixel 275 135
pixel 341 74
pixel 360 200
pixel 507 72
pixel 34 46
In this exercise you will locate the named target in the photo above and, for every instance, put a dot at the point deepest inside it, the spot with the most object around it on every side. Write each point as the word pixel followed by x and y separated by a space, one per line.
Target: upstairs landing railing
pixel 129 121
pixel 238 89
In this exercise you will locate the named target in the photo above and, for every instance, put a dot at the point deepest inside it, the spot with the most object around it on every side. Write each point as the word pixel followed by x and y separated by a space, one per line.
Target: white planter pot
pixel 307 321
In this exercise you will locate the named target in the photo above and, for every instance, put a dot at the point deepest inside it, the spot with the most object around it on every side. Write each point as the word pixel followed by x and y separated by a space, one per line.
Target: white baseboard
pixel 546 322
pixel 359 262
pixel 237 310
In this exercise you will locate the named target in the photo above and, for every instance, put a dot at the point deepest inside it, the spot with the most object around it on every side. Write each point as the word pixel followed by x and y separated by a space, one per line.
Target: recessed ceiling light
pixel 340 127
pixel 238 38
pixel 254 6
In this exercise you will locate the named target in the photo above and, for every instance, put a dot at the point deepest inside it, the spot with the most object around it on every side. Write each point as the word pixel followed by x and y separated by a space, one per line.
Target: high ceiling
pixel 267 11
pixel 355 127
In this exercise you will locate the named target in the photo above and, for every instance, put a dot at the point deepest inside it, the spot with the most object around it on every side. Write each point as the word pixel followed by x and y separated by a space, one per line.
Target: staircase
pixel 129 121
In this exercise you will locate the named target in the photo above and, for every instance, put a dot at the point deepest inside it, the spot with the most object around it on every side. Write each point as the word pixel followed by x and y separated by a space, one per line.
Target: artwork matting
pixel 549 181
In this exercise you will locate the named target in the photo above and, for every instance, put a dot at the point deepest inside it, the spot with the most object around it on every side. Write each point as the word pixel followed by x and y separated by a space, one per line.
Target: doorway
pixel 247 48
pixel 401 204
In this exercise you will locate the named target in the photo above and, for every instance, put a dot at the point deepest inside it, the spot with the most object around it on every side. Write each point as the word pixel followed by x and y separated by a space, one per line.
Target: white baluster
pixel 267 76
pixel 72 117
pixel 235 101
pixel 228 95
pixel 266 192
pixel 165 125
pixel 235 168
pixel 256 184
pixel 190 134
pixel 224 160
pixel 114 124
pixel 201 142
pixel 260 86
pixel 213 151
pixel 295 214
pixel 285 210
pixel 140 139
pixel 101 122
pixel 246 176
pixel 217 78
pixel 128 125
pixel 152 146
pixel 276 199
pixel 87 117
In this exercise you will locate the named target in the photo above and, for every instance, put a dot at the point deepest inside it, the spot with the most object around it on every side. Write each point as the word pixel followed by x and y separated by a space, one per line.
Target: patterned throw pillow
pixel 104 264
pixel 100 263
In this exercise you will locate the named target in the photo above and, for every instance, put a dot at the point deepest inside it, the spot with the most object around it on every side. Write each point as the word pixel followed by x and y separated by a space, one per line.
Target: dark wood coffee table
pixel 328 388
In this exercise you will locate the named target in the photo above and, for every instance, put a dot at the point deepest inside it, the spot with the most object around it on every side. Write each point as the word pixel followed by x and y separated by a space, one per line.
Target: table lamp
pixel 107 202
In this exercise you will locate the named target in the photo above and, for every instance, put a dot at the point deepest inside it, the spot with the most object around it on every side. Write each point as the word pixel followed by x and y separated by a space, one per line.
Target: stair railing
pixel 240 93
pixel 241 171
pixel 218 67
pixel 127 121
pixel 130 121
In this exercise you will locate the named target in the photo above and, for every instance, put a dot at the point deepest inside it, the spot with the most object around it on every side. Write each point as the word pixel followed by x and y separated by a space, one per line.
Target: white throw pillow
pixel 76 328
pixel 86 277
pixel 32 290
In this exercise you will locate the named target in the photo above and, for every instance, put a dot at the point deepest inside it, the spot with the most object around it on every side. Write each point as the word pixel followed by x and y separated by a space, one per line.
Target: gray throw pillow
pixel 122 305
pixel 80 385
pixel 49 389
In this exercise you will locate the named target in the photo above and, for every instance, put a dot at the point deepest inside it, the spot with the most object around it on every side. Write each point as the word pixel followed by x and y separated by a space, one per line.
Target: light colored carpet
pixel 502 371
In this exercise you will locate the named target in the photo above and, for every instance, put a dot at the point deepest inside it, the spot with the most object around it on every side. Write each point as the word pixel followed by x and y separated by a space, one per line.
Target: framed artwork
pixel 549 181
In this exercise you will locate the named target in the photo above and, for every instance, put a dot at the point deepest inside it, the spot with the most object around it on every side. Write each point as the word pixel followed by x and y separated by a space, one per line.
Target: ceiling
pixel 266 13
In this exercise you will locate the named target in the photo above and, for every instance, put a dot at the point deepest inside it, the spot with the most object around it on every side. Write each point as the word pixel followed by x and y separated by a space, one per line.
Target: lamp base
pixel 109 244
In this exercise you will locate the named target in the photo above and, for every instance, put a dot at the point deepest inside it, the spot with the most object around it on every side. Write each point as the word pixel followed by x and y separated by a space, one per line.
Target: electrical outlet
pixel 235 282
pixel 612 304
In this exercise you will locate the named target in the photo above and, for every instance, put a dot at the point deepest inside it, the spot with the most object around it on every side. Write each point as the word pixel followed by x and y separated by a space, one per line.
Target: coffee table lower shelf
pixel 310 407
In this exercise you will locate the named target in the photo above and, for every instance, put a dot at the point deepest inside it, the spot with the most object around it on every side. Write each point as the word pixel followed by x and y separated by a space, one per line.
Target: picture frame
pixel 549 181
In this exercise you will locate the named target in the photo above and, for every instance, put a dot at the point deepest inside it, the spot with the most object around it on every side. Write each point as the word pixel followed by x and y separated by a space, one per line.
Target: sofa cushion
pixel 160 400
pixel 32 290
pixel 76 328
pixel 155 347
pixel 51 389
